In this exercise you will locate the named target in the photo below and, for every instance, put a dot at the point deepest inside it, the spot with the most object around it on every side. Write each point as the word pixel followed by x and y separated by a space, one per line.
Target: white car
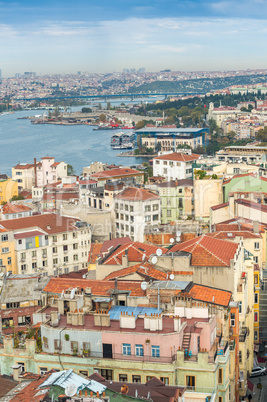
pixel 257 371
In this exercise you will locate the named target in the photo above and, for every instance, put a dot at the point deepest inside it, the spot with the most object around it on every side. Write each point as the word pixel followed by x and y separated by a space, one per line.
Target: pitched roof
pixel 207 251
pixel 252 204
pixel 136 252
pixel 136 194
pixel 177 156
pixel 210 295
pixel 6 385
pixel 32 392
pixel 23 166
pixel 231 234
pixel 117 172
pixel 143 269
pixel 9 208
pixel 98 288
pixel 95 252
pixel 49 223
pixel 114 243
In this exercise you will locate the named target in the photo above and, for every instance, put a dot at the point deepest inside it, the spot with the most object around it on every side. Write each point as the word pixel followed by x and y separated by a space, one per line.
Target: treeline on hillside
pixel 201 85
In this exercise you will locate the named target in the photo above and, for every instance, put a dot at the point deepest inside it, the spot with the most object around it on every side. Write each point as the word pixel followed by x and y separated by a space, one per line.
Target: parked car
pixel 257 371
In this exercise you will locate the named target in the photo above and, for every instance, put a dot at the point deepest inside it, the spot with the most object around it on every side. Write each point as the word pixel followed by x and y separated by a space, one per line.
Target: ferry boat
pixel 122 140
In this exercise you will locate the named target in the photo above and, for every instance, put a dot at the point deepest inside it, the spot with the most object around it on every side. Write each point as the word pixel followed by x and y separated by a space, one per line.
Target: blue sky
pixel 63 36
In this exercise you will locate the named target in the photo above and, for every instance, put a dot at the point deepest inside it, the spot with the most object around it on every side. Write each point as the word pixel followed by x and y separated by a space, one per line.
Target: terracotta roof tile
pixel 231 234
pixel 136 194
pixel 9 208
pixel 98 288
pixel 144 269
pixel 136 253
pixel 50 223
pixel 95 252
pixel 210 295
pixel 219 206
pixel 117 172
pixel 30 392
pixel 177 156
pixel 207 251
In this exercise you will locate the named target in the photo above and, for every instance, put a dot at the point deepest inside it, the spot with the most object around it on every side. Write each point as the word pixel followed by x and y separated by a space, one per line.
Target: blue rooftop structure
pixel 187 132
pixel 116 311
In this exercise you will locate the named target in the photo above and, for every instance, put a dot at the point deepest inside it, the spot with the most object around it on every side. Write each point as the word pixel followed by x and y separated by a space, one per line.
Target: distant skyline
pixel 63 36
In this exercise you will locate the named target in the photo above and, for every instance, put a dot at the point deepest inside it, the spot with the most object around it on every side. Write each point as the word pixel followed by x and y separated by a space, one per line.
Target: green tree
pixel 262 135
pixel 86 110
pixel 140 124
pixel 70 170
pixel 17 198
pixel 102 117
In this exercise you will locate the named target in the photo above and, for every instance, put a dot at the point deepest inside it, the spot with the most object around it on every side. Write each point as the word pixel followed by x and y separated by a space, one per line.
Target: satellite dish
pixel 143 285
pixel 71 390
pixel 178 238
pixel 172 240
pixel 144 257
pixel 159 252
pixel 154 259
pixel 72 293
pixel 178 233
pixel 62 294
pixel 171 277
pixel 1 274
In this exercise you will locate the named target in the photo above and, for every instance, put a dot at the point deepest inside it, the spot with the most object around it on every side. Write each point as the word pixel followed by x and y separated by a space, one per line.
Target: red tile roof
pixel 95 252
pixel 210 295
pixel 220 206
pixel 114 243
pixel 252 204
pixel 143 269
pixel 177 156
pixel 24 166
pixel 136 253
pixel 55 164
pixel 49 223
pixel 117 172
pixel 14 208
pixel 98 288
pixel 136 194
pixel 30 392
pixel 207 251
pixel 60 196
pixel 231 234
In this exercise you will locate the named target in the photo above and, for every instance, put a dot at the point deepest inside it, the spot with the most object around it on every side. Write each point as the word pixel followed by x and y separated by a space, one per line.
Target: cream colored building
pixel 207 193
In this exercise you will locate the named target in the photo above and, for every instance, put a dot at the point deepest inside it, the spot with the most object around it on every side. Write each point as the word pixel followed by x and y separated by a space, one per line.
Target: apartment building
pixel 174 166
pixel 8 189
pixel 127 175
pixel 49 244
pixel 135 208
pixel 14 211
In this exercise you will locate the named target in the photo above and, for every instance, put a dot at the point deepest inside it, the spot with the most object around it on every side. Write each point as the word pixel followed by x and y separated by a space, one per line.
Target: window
pixel 155 351
pixel 5 237
pixel 86 347
pixel 66 270
pixel 220 399
pixel 147 218
pixel 139 350
pixel 255 335
pixel 256 318
pixel 147 208
pixel 256 245
pixel 136 378
pixel 74 346
pixel 23 267
pixel 75 246
pixel 155 217
pixel 240 356
pixel 65 236
pixel 155 207
pixel 83 372
pixel 54 239
pixel 180 203
pixel 44 263
pixel 6 250
pixel 22 365
pixel 9 261
pixel 107 374
pixel 65 248
pixel 190 382
pixel 45 342
pixel 169 213
pixel 54 250
pixel 126 349
pixel 232 320
pixel 123 377
pixel 34 265
pixel 131 208
pixel 256 279
pixel 149 377
pixel 165 380
pixel 256 259
pixel 180 190
pixel 256 298
pixel 55 261
pixel 75 257
pixel 57 344
pixel 43 370
pixel 24 320
pixel 33 253
pixel 240 307
pixel 220 376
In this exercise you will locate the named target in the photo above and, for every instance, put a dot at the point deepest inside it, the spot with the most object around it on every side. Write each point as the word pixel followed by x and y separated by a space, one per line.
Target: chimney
pixel 35 173
pixel 16 372
pixel 256 227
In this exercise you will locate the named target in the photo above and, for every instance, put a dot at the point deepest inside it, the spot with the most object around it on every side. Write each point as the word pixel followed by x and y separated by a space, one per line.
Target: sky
pixel 63 36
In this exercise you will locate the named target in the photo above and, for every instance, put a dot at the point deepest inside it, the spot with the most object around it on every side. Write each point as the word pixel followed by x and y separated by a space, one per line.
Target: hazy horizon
pixel 63 37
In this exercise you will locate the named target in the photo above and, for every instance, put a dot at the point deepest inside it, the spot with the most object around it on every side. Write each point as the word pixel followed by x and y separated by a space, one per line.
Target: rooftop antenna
pixel 72 293
pixel 144 285
pixel 71 390
pixel 159 252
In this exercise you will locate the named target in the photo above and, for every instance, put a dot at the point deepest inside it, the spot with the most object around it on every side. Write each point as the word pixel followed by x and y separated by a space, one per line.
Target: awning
pixel 250 385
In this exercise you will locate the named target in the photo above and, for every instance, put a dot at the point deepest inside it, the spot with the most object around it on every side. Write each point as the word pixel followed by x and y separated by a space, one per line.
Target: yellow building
pixel 7 252
pixel 8 189
pixel 256 303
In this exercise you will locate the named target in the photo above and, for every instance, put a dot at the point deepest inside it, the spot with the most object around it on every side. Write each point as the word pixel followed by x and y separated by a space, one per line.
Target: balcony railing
pixel 243 335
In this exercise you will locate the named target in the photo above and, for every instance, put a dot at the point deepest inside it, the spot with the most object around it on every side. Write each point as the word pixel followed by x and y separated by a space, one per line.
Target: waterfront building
pixel 250 154
pixel 174 166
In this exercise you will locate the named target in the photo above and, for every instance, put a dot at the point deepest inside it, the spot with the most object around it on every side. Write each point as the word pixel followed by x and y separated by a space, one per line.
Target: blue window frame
pixel 126 349
pixel 155 351
pixel 139 350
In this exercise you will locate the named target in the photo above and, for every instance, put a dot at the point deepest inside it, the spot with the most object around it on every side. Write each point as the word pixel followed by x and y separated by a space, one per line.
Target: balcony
pixel 243 334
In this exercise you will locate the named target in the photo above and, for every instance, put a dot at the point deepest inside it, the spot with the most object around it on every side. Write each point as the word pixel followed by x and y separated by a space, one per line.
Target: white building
pixel 135 208
pixel 50 243
pixel 48 171
pixel 174 166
